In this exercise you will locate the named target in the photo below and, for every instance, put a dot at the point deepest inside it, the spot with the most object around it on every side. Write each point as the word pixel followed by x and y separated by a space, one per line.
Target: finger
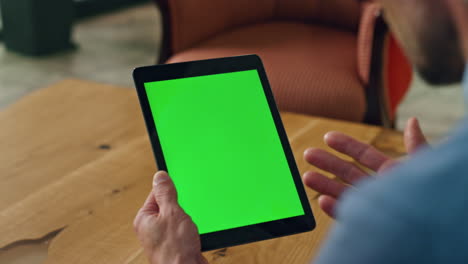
pixel 323 184
pixel 326 161
pixel 388 165
pixel 363 153
pixel 164 191
pixel 413 136
pixel 150 206
pixel 327 204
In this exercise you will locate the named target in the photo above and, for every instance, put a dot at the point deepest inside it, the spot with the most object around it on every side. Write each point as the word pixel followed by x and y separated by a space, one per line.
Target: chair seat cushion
pixel 312 69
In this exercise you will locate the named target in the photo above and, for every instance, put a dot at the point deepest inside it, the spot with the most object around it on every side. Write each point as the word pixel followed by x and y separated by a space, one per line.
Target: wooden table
pixel 76 164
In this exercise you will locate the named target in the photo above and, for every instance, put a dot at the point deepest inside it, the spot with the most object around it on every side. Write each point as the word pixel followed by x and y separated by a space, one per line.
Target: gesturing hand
pixel 166 232
pixel 365 154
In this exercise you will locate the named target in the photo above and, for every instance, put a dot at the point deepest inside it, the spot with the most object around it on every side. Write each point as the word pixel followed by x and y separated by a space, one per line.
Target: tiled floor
pixel 438 108
pixel 110 46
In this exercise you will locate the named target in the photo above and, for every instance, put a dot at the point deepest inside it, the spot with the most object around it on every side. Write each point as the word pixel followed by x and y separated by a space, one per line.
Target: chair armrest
pixel 372 38
pixel 187 22
pixel 382 67
pixel 370 13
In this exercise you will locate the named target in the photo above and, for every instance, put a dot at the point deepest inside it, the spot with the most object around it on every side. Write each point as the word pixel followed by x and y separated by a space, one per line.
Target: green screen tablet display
pixel 222 150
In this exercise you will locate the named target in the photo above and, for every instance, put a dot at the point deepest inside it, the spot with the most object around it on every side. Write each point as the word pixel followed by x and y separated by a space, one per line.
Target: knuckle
pixel 165 189
pixel 174 212
pixel 346 171
pixel 184 219
pixel 351 174
pixel 176 215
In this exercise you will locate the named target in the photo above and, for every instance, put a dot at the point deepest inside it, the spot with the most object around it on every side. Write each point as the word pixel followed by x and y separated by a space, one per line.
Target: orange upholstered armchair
pixel 331 58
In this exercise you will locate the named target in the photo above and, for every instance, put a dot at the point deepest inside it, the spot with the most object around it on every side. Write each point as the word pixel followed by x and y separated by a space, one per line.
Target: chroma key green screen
pixel 222 150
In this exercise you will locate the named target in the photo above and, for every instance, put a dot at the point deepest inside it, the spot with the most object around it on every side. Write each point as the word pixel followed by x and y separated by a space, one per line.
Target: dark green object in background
pixel 37 27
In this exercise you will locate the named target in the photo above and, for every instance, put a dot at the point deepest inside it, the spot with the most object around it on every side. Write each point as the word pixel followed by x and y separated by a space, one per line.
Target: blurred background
pixel 110 38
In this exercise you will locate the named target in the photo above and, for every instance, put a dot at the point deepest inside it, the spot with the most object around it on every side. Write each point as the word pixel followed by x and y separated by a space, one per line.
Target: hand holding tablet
pixel 215 128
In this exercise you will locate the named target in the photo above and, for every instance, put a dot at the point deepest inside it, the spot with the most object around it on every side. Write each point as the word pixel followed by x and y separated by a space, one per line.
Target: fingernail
pixel 333 137
pixel 328 137
pixel 160 176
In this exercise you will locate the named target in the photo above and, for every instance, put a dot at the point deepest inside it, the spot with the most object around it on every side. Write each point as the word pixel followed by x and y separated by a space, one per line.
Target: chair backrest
pixel 187 22
pixel 344 14
pixel 195 20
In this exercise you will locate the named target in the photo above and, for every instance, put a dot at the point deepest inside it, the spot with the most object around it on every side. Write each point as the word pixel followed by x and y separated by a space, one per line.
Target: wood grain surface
pixel 75 156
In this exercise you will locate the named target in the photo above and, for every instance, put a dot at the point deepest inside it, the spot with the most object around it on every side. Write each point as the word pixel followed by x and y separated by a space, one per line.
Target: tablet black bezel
pixel 245 234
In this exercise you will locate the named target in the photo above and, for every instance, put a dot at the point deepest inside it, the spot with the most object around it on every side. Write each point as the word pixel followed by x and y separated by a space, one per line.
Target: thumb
pixel 164 190
pixel 413 136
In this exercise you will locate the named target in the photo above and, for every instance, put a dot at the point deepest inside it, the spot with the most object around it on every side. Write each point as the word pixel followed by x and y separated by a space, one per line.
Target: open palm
pixel 365 154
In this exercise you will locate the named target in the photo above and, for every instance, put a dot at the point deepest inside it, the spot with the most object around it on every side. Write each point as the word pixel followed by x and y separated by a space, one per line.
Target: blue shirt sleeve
pixel 371 232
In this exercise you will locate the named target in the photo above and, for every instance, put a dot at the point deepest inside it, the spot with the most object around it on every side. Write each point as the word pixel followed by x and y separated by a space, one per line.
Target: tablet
pixel 215 128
